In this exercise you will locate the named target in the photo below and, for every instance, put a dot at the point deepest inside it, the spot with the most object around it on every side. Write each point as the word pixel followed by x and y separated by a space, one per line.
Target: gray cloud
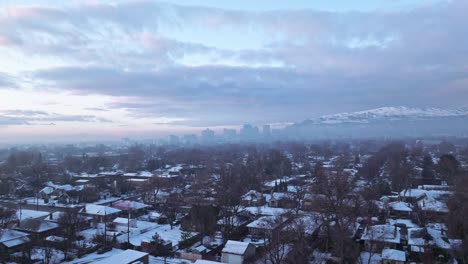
pixel 326 62
pixel 6 81
pixel 33 117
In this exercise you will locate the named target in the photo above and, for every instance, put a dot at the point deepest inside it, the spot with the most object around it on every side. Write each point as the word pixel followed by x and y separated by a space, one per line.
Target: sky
pixel 94 69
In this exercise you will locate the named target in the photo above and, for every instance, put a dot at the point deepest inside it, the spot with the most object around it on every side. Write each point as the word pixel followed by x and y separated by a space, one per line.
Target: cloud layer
pixel 200 66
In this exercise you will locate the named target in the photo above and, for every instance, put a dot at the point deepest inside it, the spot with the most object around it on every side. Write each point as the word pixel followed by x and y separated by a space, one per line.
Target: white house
pixel 236 252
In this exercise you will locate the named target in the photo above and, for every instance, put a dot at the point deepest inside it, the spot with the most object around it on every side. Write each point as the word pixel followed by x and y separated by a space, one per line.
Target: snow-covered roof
pixel 400 206
pixel 279 195
pixel 428 236
pixel 127 256
pixel 128 205
pixel 432 205
pixel 387 233
pixel 416 237
pixel 439 239
pixel 177 168
pixel 252 195
pixel 419 193
pixel 24 214
pixel 137 180
pixel 36 225
pixel 273 183
pixel 65 187
pixel 141 226
pixel 47 190
pixel 146 174
pixel 204 261
pixel 393 254
pixel 407 222
pixel 266 210
pixel 82 181
pixel 16 242
pixel 94 209
pixel 267 222
pixel 11 238
pixel 55 238
pixel 309 222
pixel 86 175
pixel 235 247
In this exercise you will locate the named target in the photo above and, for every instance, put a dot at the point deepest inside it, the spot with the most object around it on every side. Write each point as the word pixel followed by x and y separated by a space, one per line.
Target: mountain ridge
pixel 388 113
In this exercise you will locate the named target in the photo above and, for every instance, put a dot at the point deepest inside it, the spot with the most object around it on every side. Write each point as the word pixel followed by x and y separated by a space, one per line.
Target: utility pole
pixel 128 228
pixel 105 227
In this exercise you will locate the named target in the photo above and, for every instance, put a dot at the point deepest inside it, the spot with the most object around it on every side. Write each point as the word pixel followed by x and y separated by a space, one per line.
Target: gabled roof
pixel 235 247
pixel 36 225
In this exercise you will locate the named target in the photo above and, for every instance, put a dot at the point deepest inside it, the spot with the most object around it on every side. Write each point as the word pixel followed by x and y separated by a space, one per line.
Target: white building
pixel 236 252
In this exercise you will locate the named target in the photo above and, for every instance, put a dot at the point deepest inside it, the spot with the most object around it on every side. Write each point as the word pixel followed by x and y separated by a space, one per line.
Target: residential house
pixel 280 200
pixel 400 209
pixel 266 226
pixel 377 237
pixel 236 252
pixel 100 213
pixel 130 207
pixel 253 198
pixel 38 228
pixel 12 241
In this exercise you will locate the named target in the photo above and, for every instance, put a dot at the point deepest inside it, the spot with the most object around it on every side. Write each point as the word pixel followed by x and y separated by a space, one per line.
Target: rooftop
pixel 235 247
pixel 127 256
pixel 393 254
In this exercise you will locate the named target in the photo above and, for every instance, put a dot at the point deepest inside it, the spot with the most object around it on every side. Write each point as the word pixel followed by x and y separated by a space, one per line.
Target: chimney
pixel 395 231
pixel 51 216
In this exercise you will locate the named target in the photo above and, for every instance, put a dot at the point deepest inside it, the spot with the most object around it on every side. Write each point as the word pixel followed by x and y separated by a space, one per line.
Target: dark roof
pixel 36 225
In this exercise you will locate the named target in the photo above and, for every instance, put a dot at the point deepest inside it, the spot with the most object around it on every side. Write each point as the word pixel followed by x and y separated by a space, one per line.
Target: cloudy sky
pixel 109 69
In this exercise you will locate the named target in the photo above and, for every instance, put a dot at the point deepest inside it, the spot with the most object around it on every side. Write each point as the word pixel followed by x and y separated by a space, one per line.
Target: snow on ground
pixel 56 256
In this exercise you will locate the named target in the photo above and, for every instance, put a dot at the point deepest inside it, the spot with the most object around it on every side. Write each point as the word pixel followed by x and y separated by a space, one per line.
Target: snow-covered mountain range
pixel 388 114
pixel 397 121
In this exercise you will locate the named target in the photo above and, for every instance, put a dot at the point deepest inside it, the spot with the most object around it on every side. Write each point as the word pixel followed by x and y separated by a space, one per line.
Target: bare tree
pixel 339 207
pixel 297 198
pixel 7 216
pixel 48 253
pixel 70 222
pixel 300 248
